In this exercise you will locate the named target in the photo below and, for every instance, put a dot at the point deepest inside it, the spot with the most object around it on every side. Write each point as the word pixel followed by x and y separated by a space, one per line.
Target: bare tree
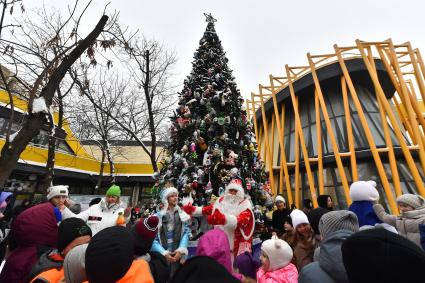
pixel 108 92
pixel 44 79
pixel 150 65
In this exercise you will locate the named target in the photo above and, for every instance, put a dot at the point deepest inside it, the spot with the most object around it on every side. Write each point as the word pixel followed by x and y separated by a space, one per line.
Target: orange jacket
pixel 139 272
pixel 51 276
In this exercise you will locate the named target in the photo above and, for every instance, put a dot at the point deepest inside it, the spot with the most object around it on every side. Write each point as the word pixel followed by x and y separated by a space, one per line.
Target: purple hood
pixel 215 244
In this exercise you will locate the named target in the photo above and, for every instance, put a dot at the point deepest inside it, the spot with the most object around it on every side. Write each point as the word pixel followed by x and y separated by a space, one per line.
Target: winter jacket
pixel 303 253
pixel 33 230
pixel 215 244
pixel 407 224
pixel 137 273
pixel 287 274
pixel 160 269
pixel 50 260
pixel 98 216
pixel 181 233
pixel 365 213
pixel 422 233
pixel 52 275
pixel 329 268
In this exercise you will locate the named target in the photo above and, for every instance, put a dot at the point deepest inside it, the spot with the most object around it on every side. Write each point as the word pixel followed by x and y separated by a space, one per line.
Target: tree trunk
pixel 152 130
pixel 50 165
pixel 111 163
pixel 11 151
pixel 102 167
pixel 48 176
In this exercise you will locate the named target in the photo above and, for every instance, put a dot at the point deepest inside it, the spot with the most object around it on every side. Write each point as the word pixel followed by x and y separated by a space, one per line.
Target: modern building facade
pixel 77 163
pixel 354 114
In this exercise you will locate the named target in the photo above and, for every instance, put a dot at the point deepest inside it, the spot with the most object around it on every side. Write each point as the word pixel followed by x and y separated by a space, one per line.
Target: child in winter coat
pixel 49 268
pixel 215 244
pixel 305 240
pixel 412 208
pixel 276 256
pixel 364 195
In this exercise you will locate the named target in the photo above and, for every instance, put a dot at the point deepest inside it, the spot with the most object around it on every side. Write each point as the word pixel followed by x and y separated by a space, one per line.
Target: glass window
pixel 367 99
pixel 62 145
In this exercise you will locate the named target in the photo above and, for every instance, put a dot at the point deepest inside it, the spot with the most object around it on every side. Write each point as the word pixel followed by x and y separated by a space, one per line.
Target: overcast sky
pixel 260 37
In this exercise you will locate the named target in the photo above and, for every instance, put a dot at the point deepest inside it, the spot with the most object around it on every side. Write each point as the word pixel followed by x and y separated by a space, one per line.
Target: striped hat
pixel 338 220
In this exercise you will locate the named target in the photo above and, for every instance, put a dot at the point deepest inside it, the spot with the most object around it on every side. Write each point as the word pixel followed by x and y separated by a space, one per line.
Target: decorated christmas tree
pixel 211 139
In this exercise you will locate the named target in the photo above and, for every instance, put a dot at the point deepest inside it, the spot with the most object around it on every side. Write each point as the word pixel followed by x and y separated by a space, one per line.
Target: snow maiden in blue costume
pixel 364 194
pixel 173 229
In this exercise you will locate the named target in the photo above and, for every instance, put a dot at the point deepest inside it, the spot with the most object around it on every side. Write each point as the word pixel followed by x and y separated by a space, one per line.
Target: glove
pixel 189 208
pixel 217 218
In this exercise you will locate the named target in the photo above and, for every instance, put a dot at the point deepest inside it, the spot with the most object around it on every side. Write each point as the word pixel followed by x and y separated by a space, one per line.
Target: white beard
pixel 230 204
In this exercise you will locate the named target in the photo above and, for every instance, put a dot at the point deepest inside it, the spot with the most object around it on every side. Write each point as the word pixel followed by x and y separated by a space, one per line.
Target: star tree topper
pixel 209 18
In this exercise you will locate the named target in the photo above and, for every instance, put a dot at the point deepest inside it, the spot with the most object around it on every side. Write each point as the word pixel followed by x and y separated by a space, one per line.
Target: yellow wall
pixel 82 161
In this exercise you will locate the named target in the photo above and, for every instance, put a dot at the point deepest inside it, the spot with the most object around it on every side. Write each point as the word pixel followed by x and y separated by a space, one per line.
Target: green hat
pixel 114 190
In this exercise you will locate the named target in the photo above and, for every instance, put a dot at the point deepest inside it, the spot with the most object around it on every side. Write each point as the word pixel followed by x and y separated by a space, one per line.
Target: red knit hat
pixel 146 228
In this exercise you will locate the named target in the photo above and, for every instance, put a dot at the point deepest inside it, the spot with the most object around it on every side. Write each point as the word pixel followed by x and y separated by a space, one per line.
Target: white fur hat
pixel 279 198
pixel 59 190
pixel 364 191
pixel 236 184
pixel 278 251
pixel 298 217
pixel 167 192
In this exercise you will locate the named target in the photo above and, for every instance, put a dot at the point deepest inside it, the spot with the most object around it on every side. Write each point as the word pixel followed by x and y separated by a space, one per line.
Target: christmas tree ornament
pixel 224 100
pixel 207 159
pixel 202 144
pixel 248 186
pixel 185 164
pixel 208 186
pixel 220 191
pixel 234 172
pixel 195 184
pixel 217 151
pixel 192 147
pixel 231 157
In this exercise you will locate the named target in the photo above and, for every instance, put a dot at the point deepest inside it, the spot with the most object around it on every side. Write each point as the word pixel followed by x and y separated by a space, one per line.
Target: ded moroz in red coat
pixel 237 221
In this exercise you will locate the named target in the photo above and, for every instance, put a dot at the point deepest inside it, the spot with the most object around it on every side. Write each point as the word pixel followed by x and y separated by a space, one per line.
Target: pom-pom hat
pixel 146 228
pixel 144 232
pixel 364 191
pixel 278 251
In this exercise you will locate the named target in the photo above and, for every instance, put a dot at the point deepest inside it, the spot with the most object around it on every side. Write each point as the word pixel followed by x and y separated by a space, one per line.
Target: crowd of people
pixel 108 242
